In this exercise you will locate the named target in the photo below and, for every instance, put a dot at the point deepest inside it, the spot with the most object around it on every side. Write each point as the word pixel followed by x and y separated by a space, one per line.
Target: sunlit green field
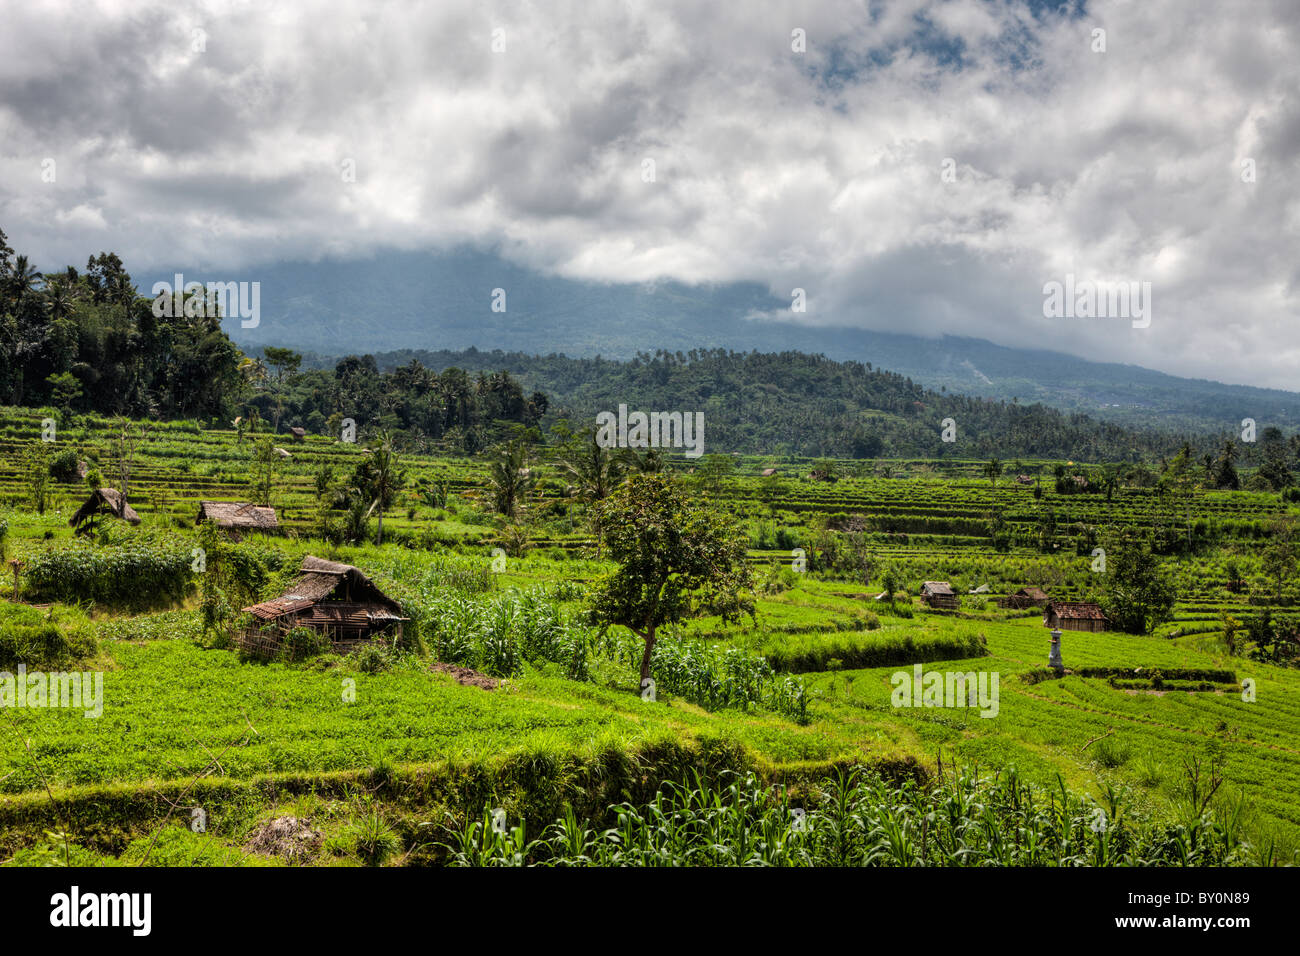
pixel 177 709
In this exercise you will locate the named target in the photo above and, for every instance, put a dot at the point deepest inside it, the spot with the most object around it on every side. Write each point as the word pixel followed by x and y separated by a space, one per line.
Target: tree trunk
pixel 645 658
pixel 379 536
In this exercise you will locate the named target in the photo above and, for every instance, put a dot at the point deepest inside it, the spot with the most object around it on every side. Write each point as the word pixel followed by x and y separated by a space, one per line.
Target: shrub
pixel 44 645
pixel 135 576
pixel 63 466
pixel 301 643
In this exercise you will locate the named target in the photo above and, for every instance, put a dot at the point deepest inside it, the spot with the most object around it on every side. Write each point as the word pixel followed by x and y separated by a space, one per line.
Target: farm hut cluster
pixel 337 600
pixel 1067 615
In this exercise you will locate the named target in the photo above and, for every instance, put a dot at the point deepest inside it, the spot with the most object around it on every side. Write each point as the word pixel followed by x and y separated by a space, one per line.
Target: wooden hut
pixel 298 433
pixel 238 517
pixel 102 501
pixel 1075 616
pixel 335 599
pixel 939 594
pixel 1025 597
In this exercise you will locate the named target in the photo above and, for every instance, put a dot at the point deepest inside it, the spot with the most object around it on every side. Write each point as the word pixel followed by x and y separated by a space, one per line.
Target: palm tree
pixel 993 471
pixel 59 297
pixel 509 477
pixel 384 477
pixel 650 463
pixel 24 277
pixel 595 471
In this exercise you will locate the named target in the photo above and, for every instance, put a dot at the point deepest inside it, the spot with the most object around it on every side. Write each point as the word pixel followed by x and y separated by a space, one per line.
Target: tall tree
pixel 509 477
pixel 673 559
pixel 380 477
pixel 1140 592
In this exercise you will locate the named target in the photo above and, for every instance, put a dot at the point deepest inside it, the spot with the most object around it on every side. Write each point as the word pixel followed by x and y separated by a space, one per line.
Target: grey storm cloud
pixel 216 133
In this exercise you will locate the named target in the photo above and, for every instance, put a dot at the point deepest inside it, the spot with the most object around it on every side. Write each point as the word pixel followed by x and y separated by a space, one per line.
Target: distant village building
pixel 102 501
pixel 1075 616
pixel 238 517
pixel 1025 597
pixel 939 594
pixel 336 599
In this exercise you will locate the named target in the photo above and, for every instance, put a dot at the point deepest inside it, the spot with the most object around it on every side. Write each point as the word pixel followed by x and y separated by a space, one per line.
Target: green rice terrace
pixel 509 723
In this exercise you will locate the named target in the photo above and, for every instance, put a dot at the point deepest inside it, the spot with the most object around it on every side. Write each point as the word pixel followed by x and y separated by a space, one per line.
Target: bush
pixel 44 646
pixel 301 643
pixel 63 466
pixel 134 576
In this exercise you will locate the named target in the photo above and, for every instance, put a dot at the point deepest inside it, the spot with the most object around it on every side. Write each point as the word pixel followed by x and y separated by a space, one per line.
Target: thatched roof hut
pixel 337 599
pixel 938 594
pixel 102 501
pixel 1025 597
pixel 1075 616
pixel 238 516
pixel 298 433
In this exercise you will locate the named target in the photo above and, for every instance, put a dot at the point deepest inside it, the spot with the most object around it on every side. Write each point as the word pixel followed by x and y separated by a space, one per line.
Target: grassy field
pixel 383 755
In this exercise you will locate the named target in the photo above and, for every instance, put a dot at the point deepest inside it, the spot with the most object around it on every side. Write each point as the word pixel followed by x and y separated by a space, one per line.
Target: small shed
pixel 298 433
pixel 1075 616
pixel 938 594
pixel 102 501
pixel 1024 480
pixel 1025 597
pixel 238 516
pixel 335 599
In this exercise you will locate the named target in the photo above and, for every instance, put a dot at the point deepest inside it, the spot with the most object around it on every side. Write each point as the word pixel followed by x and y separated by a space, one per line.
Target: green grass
pixel 172 705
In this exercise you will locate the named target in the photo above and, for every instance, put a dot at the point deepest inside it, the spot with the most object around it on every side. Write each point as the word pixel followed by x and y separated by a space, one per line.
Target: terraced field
pixel 183 715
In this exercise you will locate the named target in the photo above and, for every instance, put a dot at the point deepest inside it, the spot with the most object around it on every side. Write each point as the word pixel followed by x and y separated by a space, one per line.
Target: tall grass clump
pixel 858 818
pixel 715 678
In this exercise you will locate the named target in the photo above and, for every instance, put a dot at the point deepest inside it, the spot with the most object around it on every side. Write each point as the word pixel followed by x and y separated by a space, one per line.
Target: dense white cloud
pixel 819 170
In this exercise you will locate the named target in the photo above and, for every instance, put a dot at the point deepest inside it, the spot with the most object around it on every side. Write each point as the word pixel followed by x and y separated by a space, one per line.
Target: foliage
pixel 673 559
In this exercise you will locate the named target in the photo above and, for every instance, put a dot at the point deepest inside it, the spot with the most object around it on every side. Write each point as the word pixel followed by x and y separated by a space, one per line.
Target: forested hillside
pixel 86 341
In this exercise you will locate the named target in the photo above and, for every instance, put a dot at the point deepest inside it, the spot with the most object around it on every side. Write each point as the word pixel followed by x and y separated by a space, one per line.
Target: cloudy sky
pixel 224 134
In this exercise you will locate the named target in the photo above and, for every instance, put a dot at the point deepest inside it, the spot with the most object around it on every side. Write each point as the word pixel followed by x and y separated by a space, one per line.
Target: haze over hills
pixel 416 301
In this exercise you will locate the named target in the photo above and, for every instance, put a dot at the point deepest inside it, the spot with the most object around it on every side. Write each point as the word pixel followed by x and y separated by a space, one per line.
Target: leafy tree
pixel 1279 557
pixel 1225 471
pixel 1140 593
pixel 673 559
pixel 262 472
pixel 37 469
pixel 286 363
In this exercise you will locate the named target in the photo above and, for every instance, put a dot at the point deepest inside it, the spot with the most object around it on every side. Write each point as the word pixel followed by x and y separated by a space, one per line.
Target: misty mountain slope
pixel 405 300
